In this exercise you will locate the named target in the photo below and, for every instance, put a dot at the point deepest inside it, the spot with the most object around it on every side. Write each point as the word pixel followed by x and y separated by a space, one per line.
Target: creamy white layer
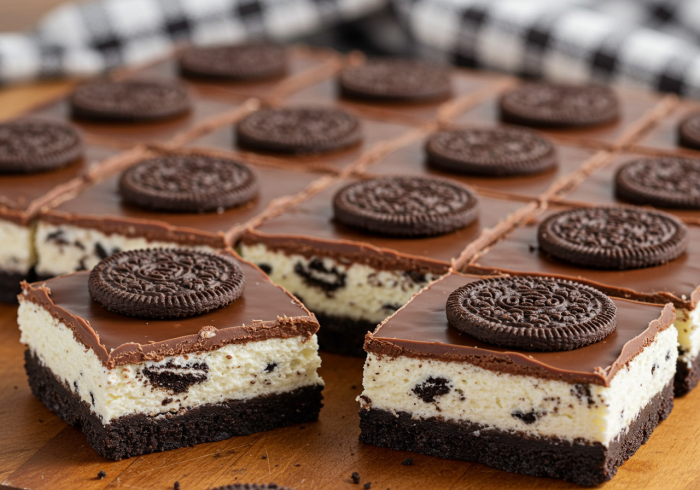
pixel 326 286
pixel 506 402
pixel 62 249
pixel 16 247
pixel 234 372
pixel 688 325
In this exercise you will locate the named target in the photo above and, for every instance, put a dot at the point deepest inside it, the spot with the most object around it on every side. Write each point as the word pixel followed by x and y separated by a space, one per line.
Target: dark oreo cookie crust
pixel 299 130
pixel 37 145
pixel 395 80
pixel 243 62
pixel 689 131
pixel 497 152
pixel 532 313
pixel 165 283
pixel 188 183
pixel 130 100
pixel 667 182
pixel 559 105
pixel 613 237
pixel 406 206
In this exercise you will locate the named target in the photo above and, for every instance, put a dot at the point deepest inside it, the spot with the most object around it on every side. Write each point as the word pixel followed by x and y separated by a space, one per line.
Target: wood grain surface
pixel 38 451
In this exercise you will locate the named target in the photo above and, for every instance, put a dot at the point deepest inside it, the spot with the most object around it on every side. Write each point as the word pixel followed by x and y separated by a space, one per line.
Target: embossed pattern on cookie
pixel 667 182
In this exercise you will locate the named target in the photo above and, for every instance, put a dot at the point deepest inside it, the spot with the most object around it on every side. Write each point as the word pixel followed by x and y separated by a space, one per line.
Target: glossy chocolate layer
pixel 664 136
pixel 420 329
pixel 101 207
pixel 309 229
pixel 373 131
pixel 677 281
pixel 464 82
pixel 264 311
pixel 633 105
pixel 599 189
pixel 411 159
pixel 21 192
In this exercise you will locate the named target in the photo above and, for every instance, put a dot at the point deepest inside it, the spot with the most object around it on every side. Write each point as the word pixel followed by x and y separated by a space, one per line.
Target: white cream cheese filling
pixel 16 247
pixel 233 372
pixel 326 286
pixel 529 405
pixel 688 325
pixel 62 249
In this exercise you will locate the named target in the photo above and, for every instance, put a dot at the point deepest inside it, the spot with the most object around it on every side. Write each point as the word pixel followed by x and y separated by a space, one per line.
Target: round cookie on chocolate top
pixel 241 62
pixel 130 100
pixel 188 183
pixel 667 182
pixel 37 145
pixel 395 80
pixel 559 105
pixel 532 313
pixel 495 152
pixel 406 206
pixel 165 283
pixel 614 238
pixel 299 130
pixel 689 131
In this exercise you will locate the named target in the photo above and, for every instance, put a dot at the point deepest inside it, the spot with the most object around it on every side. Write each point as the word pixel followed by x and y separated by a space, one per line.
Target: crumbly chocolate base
pixel 9 285
pixel 341 335
pixel 579 462
pixel 133 435
pixel 686 378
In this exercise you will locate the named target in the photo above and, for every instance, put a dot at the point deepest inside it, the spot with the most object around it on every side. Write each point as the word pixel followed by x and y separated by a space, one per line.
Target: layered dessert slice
pixel 356 261
pixel 540 376
pixel 158 349
pixel 176 199
pixel 40 160
pixel 671 278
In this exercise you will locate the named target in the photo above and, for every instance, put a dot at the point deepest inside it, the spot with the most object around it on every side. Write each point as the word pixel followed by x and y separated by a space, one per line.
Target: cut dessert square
pixel 99 222
pixel 352 278
pixel 664 137
pixel 676 281
pixel 23 193
pixel 412 159
pixel 634 105
pixel 139 385
pixel 571 414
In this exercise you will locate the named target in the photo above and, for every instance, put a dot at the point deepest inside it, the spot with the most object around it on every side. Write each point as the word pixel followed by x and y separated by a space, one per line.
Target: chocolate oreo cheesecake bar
pixel 529 374
pixel 357 250
pixel 176 199
pixel 40 159
pixel 627 252
pixel 158 349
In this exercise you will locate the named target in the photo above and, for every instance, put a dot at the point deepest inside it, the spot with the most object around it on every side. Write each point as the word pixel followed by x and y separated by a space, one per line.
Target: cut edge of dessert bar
pixel 141 397
pixel 505 408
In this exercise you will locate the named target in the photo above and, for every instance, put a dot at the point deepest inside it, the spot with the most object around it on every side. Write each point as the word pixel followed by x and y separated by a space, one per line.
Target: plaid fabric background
pixel 648 43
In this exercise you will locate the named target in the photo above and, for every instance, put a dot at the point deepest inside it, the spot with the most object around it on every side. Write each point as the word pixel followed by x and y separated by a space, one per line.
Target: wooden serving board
pixel 38 451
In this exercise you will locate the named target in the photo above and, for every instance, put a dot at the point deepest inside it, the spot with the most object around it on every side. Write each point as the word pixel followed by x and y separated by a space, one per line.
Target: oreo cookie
pixel 395 80
pixel 165 283
pixel 615 238
pixel 130 100
pixel 493 152
pixel 243 62
pixel 37 145
pixel 559 105
pixel 299 130
pixel 667 182
pixel 689 131
pixel 188 184
pixel 406 206
pixel 532 313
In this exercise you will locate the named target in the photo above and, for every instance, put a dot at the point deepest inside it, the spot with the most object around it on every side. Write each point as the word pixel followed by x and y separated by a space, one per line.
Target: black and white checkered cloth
pixel 644 43
pixel 653 44
pixel 80 39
